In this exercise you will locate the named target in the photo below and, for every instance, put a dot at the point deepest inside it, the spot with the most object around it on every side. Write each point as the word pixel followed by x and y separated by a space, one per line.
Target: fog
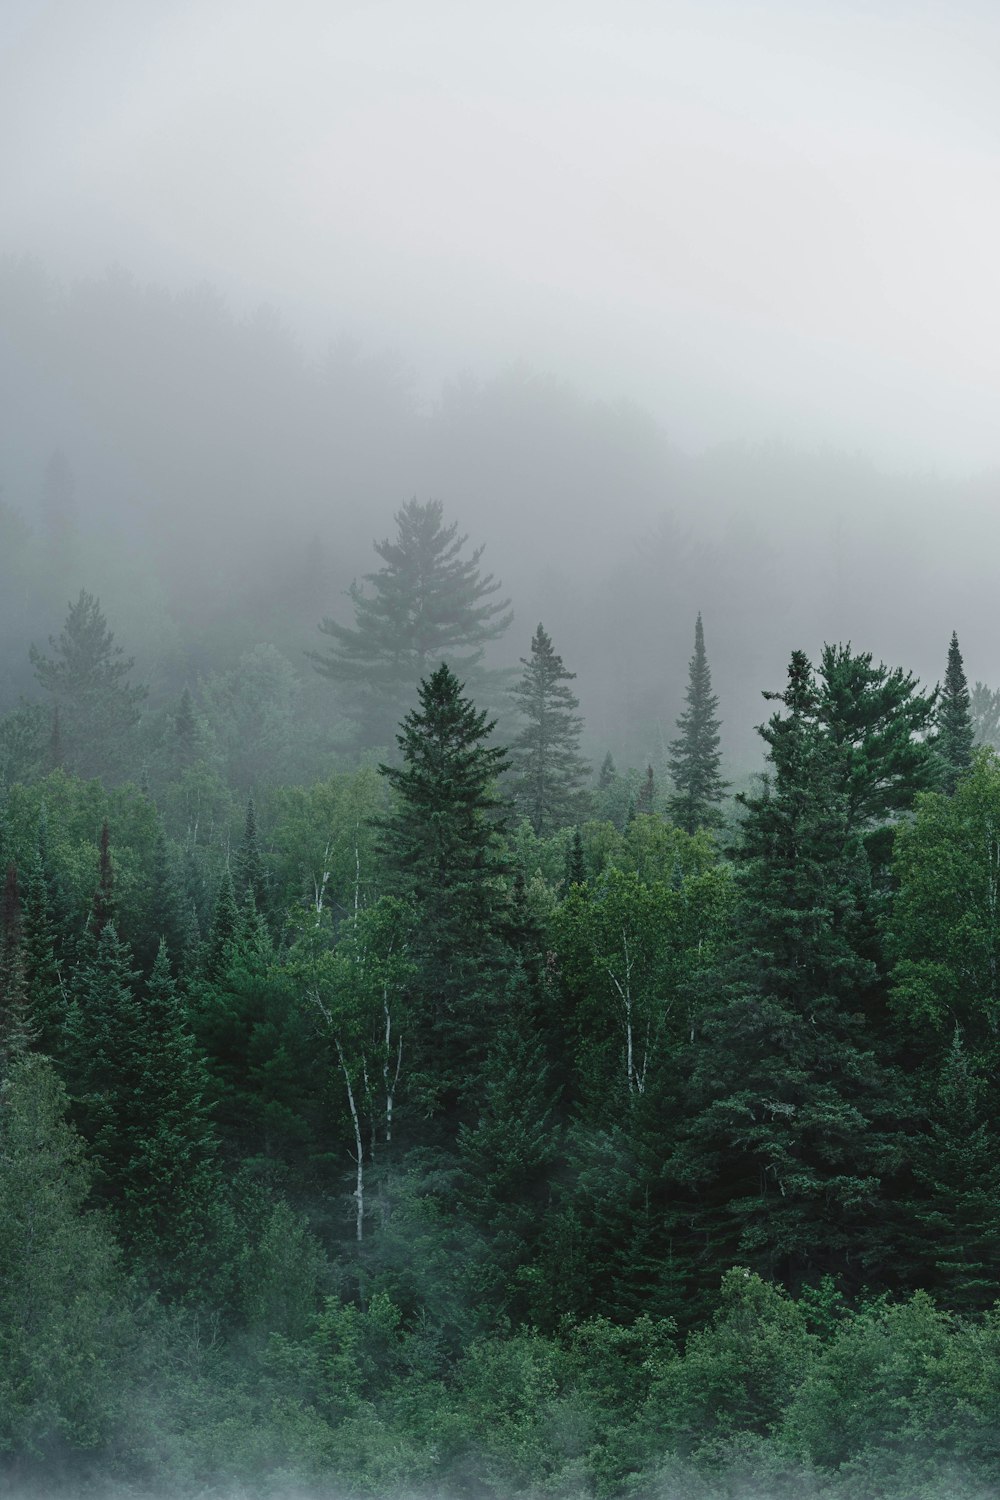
pixel 692 307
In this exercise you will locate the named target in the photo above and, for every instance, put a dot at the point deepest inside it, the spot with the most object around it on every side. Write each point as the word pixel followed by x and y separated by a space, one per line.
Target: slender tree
pixel 955 732
pixel 443 856
pixel 548 768
pixel 694 756
pixel 427 602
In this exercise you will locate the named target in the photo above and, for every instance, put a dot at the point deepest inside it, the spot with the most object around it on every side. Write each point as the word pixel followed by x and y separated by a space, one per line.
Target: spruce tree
pixel 955 734
pixel 545 756
pixel 788 1134
pixel 224 935
pixel 250 872
pixel 694 756
pixel 444 857
pixel 646 799
pixel 427 602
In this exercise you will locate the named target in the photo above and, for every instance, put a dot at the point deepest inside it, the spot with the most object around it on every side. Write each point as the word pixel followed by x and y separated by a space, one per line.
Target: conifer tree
pixel 647 794
pixel 955 734
pixel 694 756
pixel 576 866
pixel 427 602
pixel 225 930
pixel 545 756
pixel 606 777
pixel 443 856
pixel 98 707
pixel 168 1181
pixel 250 872
pixel 788 1114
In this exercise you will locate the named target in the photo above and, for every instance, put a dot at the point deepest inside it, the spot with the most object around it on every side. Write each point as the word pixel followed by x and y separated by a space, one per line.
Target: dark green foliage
pixel 646 800
pixel 955 732
pixel 545 757
pixel 694 755
pixel 102 907
pixel 426 603
pixel 443 855
pixel 98 709
pixel 17 1029
pixel 576 865
pixel 250 872
pixel 787 1138
pixel 878 720
pixel 225 930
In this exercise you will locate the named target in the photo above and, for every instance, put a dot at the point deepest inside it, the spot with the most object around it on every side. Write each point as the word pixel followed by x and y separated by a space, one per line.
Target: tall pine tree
pixel 955 733
pixel 545 756
pixel 695 757
pixel 443 855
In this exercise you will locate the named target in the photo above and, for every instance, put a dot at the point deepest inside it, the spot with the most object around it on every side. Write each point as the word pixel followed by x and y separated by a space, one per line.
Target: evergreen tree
pixel 167 1182
pixel 788 1134
pixel 426 603
pixel 185 736
pixel 606 777
pixel 955 734
pixel 695 757
pixel 41 967
pixel 250 872
pixel 646 799
pixel 576 865
pixel 878 721
pixel 98 707
pixel 225 931
pixel 443 856
pixel 545 756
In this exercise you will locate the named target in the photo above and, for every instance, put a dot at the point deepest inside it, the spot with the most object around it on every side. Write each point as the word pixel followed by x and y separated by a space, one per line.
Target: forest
pixel 396 1101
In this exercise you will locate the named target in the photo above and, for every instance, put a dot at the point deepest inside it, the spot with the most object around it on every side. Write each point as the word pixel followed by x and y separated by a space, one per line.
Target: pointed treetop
pixel 694 756
pixel 955 731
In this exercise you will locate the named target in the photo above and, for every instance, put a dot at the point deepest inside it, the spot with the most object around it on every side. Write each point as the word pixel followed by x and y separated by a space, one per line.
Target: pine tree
pixel 443 856
pixel 645 801
pixel 426 603
pixel 607 775
pixel 548 768
pixel 576 865
pixel 695 757
pixel 41 967
pixel 788 1131
pixel 98 707
pixel 955 734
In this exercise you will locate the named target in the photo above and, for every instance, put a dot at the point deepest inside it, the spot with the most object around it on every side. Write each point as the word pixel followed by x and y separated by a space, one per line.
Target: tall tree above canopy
pixel 955 733
pixel 427 603
pixel 88 677
pixel 694 755
pixel 548 766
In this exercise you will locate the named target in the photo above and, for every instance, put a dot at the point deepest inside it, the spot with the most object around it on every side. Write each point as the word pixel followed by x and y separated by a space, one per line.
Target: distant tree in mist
pixel 427 604
pixel 694 755
pixel 548 767
pixel 98 707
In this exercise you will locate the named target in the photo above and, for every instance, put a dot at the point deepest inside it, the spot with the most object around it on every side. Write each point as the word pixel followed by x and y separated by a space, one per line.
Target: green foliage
pixel 63 1306
pixel 945 925
pixel 545 758
pixel 955 733
pixel 695 757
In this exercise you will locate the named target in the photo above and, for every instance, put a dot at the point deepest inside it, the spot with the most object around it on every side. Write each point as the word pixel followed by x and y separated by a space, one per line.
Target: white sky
pixel 756 219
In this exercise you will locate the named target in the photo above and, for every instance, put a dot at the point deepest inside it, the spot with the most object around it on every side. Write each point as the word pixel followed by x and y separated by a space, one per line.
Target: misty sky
pixel 755 219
